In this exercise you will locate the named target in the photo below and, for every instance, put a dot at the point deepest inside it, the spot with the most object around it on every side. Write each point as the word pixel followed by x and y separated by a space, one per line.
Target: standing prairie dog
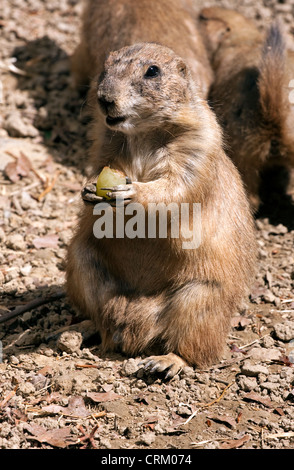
pixel 109 25
pixel 151 296
pixel 251 93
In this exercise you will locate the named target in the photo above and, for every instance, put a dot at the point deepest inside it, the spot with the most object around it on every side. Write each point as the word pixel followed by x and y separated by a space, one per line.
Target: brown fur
pixel 109 25
pixel 250 93
pixel 145 294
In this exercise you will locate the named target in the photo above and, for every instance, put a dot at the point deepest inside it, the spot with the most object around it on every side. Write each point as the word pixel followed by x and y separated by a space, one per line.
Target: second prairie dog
pixel 251 92
pixel 152 296
pixel 108 25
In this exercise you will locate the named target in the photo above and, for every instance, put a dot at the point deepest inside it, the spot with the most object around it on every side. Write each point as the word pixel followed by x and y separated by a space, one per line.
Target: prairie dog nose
pixel 105 104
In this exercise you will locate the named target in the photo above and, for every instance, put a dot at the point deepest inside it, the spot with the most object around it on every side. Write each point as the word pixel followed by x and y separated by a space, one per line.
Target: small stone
pixel 17 127
pixel 269 297
pixel 70 341
pixel 187 372
pixel 147 439
pixel 253 370
pixel 14 360
pixel 27 202
pixel 27 316
pixel 26 388
pixel 264 354
pixel 284 331
pixel 247 384
pixel 270 386
pixel 16 242
pixel 25 270
pixel 130 367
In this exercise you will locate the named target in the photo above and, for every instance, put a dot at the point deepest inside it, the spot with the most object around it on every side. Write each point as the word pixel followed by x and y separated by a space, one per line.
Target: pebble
pixel 247 384
pixel 16 127
pixel 284 331
pixel 147 439
pixel 253 370
pixel 264 354
pixel 130 367
pixel 70 341
pixel 16 242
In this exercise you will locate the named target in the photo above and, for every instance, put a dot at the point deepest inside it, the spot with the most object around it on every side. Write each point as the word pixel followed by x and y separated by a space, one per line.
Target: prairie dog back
pixel 109 25
pixel 251 92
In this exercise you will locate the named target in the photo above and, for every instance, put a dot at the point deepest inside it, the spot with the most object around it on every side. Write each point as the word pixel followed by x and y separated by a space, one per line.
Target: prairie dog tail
pixel 271 82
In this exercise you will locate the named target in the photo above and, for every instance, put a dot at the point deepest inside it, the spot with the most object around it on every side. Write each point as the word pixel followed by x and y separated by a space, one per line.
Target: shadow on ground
pixel 61 115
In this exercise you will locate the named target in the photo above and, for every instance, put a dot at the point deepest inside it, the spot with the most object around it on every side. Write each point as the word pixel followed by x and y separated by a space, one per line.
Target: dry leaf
pixel 227 420
pixel 49 241
pixel 76 407
pixel 235 443
pixel 252 396
pixel 103 396
pixel 61 437
pixel 235 348
pixel 11 172
pixel 20 167
pixel 19 415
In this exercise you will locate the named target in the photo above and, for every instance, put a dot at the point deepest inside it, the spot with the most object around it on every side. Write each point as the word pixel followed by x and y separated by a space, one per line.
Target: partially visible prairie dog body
pixel 109 25
pixel 251 92
pixel 150 295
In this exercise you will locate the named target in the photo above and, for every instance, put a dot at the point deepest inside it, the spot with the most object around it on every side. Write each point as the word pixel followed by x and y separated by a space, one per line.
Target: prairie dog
pixel 251 93
pixel 151 296
pixel 108 25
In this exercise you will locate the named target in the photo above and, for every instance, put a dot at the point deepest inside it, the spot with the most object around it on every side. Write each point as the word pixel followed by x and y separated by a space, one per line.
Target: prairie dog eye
pixel 152 72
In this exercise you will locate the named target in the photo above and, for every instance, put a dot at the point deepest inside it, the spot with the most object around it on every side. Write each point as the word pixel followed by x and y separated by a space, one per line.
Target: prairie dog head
pixel 143 86
pixel 222 26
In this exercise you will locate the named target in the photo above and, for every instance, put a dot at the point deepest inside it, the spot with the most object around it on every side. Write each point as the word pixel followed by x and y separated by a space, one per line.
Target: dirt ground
pixel 56 389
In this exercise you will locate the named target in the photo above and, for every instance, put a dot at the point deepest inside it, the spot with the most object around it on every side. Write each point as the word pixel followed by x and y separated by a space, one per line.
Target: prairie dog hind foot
pixel 169 363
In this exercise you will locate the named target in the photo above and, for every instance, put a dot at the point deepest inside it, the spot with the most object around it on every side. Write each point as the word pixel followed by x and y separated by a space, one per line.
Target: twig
pixel 279 435
pixel 88 438
pixel 201 443
pixel 25 188
pixel 49 188
pixel 31 305
pixel 206 405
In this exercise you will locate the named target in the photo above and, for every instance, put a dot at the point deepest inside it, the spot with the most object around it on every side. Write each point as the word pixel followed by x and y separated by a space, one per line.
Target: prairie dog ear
pixel 213 28
pixel 182 68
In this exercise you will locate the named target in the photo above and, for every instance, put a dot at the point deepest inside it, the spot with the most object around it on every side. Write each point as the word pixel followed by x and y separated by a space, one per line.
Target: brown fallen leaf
pixel 76 407
pixel 252 396
pixel 20 167
pixel 19 415
pixel 227 420
pixel 60 437
pixel 235 348
pixel 103 396
pixel 235 443
pixel 48 241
